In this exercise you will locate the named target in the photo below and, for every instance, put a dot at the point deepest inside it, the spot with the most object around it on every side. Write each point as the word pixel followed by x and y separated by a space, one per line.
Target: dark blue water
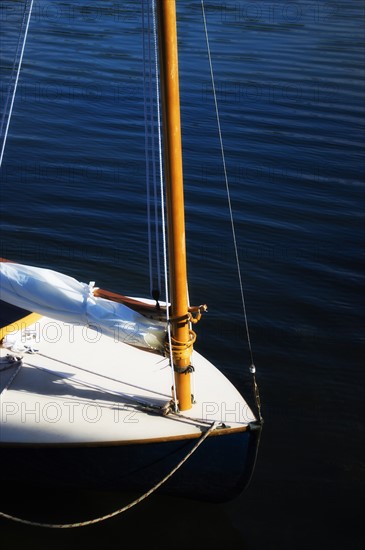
pixel 290 88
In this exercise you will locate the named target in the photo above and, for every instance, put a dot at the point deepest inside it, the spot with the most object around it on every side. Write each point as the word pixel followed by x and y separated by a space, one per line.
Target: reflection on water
pixel 289 81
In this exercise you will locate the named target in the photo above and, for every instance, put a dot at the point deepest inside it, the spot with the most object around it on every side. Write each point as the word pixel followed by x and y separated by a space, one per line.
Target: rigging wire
pixel 25 22
pixel 146 135
pixel 233 229
pixel 163 217
pixel 150 154
pixel 12 74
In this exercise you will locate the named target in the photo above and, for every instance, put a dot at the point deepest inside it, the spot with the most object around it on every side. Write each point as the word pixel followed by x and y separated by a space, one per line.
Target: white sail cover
pixel 61 297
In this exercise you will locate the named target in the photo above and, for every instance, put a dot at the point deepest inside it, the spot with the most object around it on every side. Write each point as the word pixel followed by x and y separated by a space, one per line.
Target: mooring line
pixel 120 510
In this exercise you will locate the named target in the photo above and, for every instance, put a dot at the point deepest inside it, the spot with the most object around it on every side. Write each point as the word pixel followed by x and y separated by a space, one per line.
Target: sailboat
pixel 100 390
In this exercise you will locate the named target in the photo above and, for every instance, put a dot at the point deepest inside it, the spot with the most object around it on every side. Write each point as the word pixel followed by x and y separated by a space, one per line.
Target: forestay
pixel 62 297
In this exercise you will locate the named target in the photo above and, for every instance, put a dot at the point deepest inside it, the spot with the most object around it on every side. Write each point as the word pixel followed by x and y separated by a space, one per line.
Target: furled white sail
pixel 61 297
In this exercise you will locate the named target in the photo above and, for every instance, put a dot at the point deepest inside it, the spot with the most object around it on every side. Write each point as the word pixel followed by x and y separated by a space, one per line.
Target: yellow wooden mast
pixel 170 94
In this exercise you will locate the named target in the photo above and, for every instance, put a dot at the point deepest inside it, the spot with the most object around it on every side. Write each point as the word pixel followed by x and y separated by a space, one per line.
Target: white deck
pixel 82 388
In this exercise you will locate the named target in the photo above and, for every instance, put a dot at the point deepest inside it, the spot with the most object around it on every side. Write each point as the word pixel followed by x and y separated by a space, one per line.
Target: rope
pixel 16 79
pixel 252 365
pixel 181 349
pixel 120 510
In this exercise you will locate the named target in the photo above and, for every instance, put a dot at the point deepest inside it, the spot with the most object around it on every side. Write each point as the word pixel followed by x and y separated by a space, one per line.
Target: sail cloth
pixel 61 297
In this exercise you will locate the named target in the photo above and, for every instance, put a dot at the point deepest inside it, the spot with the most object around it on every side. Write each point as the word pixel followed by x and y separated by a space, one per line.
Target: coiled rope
pixel 120 510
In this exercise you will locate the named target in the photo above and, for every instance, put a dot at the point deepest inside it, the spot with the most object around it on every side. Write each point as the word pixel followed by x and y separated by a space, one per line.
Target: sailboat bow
pixel 105 391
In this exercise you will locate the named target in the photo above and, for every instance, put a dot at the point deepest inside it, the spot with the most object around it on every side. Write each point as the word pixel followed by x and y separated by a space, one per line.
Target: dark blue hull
pixel 217 471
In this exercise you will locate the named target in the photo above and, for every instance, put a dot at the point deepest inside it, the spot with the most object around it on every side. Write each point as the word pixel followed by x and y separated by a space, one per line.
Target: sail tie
pixel 192 316
pixel 181 350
